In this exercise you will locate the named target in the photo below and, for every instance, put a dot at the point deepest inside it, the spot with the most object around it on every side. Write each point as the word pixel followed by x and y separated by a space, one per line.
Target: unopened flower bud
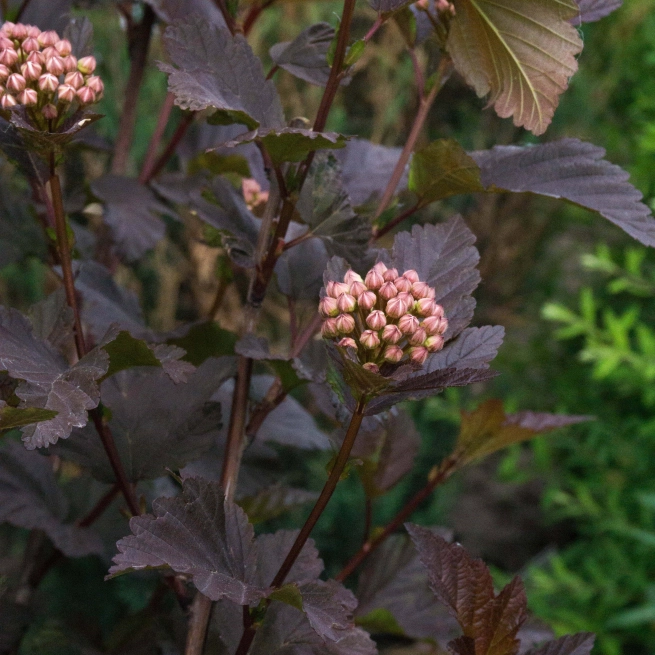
pixel 369 339
pixel 418 337
pixel 367 300
pixel 48 82
pixel 407 299
pixel 49 52
pixel 390 275
pixel 37 58
pixel 425 306
pixel 19 32
pixel 443 326
pixel 391 334
pixel 33 31
pixel 31 71
pixel 328 307
pixel 420 290
pixel 335 289
pixel 393 354
pixel 28 97
pixel 15 83
pixel 388 291
pixel 408 324
pixel 63 47
pixel 66 93
pixel 49 112
pixel 351 277
pixel 30 44
pixel 8 28
pixel 86 96
pixel 347 342
pixel 8 57
pixel 411 275
pixel 5 42
pixel 47 39
pixel 4 72
pixel 434 344
pixel 380 268
pixel 86 65
pixel 7 101
pixel 437 310
pixel 357 289
pixel 346 303
pixel 329 329
pixel 376 320
pixel 418 354
pixel 373 280
pixel 370 366
pixel 70 64
pixel 55 65
pixel 75 79
pixel 395 307
pixel 345 323
pixel 431 324
pixel 403 284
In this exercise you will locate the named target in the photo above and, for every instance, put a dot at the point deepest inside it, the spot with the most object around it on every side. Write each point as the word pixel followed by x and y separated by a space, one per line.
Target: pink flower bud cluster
pixel 39 71
pixel 384 317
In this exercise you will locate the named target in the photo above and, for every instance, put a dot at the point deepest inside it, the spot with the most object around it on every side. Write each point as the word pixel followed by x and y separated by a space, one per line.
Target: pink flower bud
pixel 49 112
pixel 16 83
pixel 8 57
pixel 7 101
pixel 373 280
pixel 98 87
pixel 335 289
pixel 351 277
pixel 395 307
pixel 328 307
pixel 357 289
pixel 393 354
pixel 33 31
pixel 376 320
pixel 347 342
pixel 407 299
pixel 403 284
pixel 418 354
pixel 31 71
pixel 66 93
pixel 367 300
pixel 49 52
pixel 418 337
pixel 55 65
pixel 443 326
pixel 434 344
pixel 63 47
pixel 408 324
pixel 76 79
pixel 420 290
pixel 329 329
pixel 369 339
pixel 390 275
pixel 346 303
pixel 48 83
pixel 86 65
pixel 47 39
pixel 19 31
pixel 411 275
pixel 345 323
pixel 30 44
pixel 86 96
pixel 37 58
pixel 5 42
pixel 431 324
pixel 4 72
pixel 425 306
pixel 437 311
pixel 391 334
pixel 370 366
pixel 380 268
pixel 388 291
pixel 70 64
pixel 8 28
pixel 28 97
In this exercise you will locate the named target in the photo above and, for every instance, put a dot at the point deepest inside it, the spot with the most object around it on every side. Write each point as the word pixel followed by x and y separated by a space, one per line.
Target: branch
pixel 227 16
pixel 253 15
pixel 138 44
pixel 379 233
pixel 21 10
pixel 169 151
pixel 438 477
pixel 151 155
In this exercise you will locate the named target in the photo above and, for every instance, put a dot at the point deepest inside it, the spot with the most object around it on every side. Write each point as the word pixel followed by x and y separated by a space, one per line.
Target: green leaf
pixel 289 594
pixel 15 417
pixel 205 340
pixel 355 51
pixel 443 169
pixel 521 52
pixel 125 352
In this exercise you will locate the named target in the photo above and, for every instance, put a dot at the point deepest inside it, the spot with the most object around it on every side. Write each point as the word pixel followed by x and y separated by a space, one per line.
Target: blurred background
pixel 574 512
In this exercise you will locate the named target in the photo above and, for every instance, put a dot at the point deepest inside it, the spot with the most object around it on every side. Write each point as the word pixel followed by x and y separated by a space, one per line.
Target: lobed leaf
pixel 578 644
pixel 521 52
pixel 593 10
pixel 172 11
pixel 52 320
pixel 386 6
pixel 213 69
pixel 18 417
pixel 472 348
pixel 572 170
pixel 274 501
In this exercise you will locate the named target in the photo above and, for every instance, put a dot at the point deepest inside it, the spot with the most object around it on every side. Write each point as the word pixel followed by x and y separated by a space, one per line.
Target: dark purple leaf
pixel 572 170
pixel 543 421
pixel 462 646
pixel 473 348
pixel 593 10
pixel 47 14
pixel 155 423
pixel 300 269
pixel 329 607
pixel 255 348
pixel 199 534
pixel 30 498
pixel 212 69
pixel 79 32
pixel 13 147
pixel 384 6
pixel 578 644
pixel 173 11
pixel 47 382
pixel 274 501
pixel 129 208
pixel 52 320
pixel 306 56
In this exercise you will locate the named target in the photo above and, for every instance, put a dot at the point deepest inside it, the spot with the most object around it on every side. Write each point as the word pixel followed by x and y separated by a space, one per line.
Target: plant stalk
pixel 169 150
pixel 151 155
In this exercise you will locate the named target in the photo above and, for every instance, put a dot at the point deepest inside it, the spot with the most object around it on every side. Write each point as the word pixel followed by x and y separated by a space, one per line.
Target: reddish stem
pixel 169 151
pixel 379 233
pixel 151 155
pixel 253 15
